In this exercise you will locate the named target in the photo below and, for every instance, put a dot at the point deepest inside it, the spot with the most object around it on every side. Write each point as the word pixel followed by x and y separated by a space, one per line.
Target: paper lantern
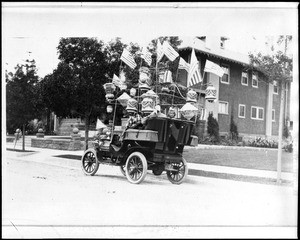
pixel 132 92
pixel 144 87
pixel 123 99
pixel 144 74
pixel 191 96
pixel 132 105
pixel 109 88
pixel 210 93
pixel 109 97
pixel 188 111
pixel 109 108
pixel 147 105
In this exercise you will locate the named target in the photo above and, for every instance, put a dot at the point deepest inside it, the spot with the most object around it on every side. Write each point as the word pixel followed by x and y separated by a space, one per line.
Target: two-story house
pixel 253 103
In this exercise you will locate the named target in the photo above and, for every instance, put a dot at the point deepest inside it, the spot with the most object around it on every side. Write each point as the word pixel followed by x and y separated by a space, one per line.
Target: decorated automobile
pixel 151 140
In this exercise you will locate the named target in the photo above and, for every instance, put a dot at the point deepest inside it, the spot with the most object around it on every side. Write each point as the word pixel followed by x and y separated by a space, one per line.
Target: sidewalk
pixel 71 159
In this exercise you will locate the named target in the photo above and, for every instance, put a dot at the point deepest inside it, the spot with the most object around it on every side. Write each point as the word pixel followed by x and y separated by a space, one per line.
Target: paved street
pixel 50 197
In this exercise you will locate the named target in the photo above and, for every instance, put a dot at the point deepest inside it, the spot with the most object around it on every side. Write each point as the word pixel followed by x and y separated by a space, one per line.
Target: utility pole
pixel 282 92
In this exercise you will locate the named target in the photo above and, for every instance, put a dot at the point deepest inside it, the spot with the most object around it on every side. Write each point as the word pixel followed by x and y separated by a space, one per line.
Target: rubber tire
pixel 122 168
pixel 143 162
pixel 93 153
pixel 180 180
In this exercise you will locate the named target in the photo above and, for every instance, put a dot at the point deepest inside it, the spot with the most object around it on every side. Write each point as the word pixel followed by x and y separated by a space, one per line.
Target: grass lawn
pixel 242 158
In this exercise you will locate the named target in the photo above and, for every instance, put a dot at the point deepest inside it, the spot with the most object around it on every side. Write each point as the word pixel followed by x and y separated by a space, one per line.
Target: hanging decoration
pixel 132 105
pixel 191 96
pixel 210 93
pixel 188 111
pixel 132 92
pixel 123 99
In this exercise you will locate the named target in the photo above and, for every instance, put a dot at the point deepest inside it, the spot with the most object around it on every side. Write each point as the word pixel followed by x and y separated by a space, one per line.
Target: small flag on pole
pixel 100 124
pixel 213 68
pixel 116 80
pixel 128 59
pixel 169 51
pixel 183 65
pixel 194 75
pixel 147 56
pixel 159 51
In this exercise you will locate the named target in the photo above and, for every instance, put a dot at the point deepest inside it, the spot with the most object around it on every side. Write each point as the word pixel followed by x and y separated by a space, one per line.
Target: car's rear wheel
pixel 179 172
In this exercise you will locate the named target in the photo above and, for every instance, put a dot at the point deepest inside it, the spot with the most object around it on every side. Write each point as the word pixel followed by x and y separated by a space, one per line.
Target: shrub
pixel 263 143
pixel 233 129
pixel 213 128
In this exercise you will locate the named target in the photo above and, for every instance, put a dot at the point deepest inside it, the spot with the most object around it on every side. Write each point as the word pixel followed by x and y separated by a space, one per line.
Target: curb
pixel 194 171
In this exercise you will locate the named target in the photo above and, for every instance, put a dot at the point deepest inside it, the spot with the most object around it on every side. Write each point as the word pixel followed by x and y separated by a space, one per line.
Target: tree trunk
pixel 23 143
pixel 280 133
pixel 86 135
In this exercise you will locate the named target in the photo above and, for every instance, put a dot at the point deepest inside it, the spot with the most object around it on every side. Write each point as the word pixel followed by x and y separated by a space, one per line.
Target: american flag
pixel 128 59
pixel 159 51
pixel 183 65
pixel 147 56
pixel 169 51
pixel 194 75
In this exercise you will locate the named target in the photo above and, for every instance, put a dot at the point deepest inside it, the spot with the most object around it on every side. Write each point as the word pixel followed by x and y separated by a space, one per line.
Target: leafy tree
pixel 76 86
pixel 276 67
pixel 21 96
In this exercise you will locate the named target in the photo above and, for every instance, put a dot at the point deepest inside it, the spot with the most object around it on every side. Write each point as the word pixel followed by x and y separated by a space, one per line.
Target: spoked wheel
pixel 122 168
pixel 89 162
pixel 177 177
pixel 136 167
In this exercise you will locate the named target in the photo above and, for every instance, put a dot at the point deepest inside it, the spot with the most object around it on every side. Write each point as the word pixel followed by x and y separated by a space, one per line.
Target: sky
pixel 32 30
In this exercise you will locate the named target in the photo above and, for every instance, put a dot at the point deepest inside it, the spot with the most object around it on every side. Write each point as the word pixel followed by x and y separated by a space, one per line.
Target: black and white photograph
pixel 152 120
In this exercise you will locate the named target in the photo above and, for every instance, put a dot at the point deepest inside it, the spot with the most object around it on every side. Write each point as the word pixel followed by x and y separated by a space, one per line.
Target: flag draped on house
pixel 213 68
pixel 128 59
pixel 183 65
pixel 147 56
pixel 194 75
pixel 159 51
pixel 169 51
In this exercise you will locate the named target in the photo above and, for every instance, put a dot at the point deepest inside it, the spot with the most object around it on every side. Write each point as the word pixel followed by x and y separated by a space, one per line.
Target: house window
pixel 226 75
pixel 257 113
pixel 273 115
pixel 254 80
pixel 242 111
pixel 245 78
pixel 275 87
pixel 223 107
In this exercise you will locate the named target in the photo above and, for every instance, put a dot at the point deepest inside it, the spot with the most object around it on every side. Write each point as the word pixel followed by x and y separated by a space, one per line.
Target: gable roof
pixel 225 54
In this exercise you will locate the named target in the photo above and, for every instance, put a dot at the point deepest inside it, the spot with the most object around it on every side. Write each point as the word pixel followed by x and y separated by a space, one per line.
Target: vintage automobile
pixel 157 147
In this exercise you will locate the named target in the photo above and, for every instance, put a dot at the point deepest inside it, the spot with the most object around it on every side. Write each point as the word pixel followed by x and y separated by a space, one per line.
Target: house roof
pixel 225 54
